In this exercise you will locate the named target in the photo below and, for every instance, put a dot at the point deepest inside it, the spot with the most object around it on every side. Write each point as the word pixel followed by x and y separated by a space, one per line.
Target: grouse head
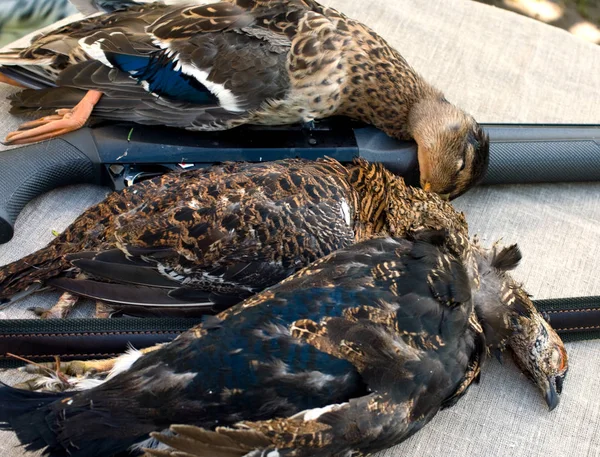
pixel 503 305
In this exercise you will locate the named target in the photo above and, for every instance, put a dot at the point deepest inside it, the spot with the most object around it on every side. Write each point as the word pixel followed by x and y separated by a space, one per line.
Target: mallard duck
pixel 384 332
pixel 220 65
pixel 206 239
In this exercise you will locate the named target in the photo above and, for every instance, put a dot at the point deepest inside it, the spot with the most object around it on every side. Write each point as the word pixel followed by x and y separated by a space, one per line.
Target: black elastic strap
pixel 36 339
pixel 575 319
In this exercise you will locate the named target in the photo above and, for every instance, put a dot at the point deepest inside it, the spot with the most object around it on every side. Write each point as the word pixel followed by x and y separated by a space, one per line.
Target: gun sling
pixel 40 340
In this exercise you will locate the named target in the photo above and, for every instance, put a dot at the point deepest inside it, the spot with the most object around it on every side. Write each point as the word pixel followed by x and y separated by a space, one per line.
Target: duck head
pixel 453 149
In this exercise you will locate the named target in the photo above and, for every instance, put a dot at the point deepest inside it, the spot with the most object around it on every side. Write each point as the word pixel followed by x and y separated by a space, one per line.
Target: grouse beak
pixel 553 391
pixel 444 196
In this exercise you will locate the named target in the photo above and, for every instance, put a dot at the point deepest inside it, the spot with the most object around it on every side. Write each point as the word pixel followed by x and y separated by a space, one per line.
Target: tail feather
pixel 44 100
pixel 31 69
pixel 48 421
pixel 25 412
pixel 14 57
pixel 37 267
pixel 197 442
pixel 26 77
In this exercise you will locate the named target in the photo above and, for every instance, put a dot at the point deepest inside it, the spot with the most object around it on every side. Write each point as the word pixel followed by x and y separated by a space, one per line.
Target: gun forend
pixel 543 153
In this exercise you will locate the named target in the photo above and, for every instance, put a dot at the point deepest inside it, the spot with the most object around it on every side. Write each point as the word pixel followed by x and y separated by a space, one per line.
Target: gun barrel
pixel 518 154
pixel 523 154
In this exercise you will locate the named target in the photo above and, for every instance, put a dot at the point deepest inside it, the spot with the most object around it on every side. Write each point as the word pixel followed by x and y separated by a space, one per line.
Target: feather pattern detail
pixel 221 234
pixel 328 346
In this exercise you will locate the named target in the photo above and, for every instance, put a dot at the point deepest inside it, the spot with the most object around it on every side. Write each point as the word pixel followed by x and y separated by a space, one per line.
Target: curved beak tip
pixel 552 398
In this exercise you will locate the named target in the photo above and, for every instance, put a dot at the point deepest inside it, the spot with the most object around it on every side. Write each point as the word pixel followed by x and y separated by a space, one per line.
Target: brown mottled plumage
pixel 221 65
pixel 218 235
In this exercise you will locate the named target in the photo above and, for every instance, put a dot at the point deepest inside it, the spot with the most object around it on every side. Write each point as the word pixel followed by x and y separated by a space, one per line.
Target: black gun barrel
pixel 537 153
pixel 518 154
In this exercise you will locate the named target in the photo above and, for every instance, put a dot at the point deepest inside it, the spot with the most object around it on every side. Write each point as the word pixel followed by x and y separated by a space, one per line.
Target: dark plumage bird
pixel 209 238
pixel 221 65
pixel 358 351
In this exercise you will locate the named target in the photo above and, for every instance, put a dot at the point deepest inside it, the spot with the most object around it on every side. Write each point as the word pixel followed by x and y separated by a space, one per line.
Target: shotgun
pixel 120 154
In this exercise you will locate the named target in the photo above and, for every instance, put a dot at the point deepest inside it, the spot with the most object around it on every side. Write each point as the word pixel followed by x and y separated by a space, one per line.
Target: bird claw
pixel 76 368
pixel 44 313
pixel 60 376
pixel 32 384
pixel 45 383
pixel 44 128
pixel 42 121
pixel 103 311
pixel 60 310
pixel 54 379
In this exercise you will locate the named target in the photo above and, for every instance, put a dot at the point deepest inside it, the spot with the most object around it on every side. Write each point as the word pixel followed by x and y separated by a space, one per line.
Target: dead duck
pixel 220 65
pixel 352 354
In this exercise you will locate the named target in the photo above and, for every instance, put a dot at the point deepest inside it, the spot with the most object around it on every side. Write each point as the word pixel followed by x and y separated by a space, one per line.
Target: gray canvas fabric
pixel 502 68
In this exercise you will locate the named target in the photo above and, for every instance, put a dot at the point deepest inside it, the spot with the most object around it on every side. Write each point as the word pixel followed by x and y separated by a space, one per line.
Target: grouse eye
pixel 460 165
pixel 557 359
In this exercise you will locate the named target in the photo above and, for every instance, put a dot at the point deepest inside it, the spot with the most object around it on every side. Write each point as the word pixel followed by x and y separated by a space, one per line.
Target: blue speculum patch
pixel 158 70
